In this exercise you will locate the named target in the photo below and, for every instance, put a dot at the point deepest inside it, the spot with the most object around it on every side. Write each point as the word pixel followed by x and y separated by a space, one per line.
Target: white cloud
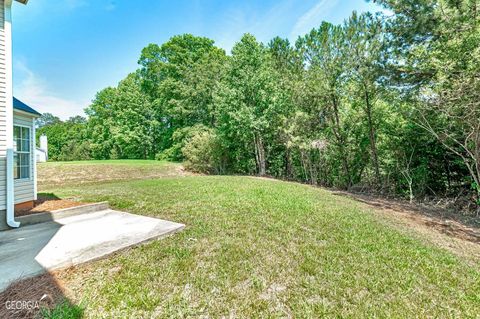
pixel 313 17
pixel 34 91
pixel 243 19
pixel 74 4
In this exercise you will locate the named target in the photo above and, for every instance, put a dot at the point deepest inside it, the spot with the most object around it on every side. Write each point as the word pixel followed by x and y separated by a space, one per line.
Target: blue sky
pixel 64 51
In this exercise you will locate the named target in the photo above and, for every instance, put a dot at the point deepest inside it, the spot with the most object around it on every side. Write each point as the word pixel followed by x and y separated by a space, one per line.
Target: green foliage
pixel 66 140
pixel 250 100
pixel 181 76
pixel 75 151
pixel 179 139
pixel 47 119
pixel 123 122
pixel 204 153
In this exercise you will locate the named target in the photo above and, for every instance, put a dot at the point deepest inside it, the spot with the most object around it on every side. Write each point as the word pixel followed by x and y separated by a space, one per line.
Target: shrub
pixel 204 153
pixel 179 138
pixel 75 151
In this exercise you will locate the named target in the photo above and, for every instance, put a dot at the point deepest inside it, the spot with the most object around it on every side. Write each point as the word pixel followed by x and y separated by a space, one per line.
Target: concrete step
pixel 61 213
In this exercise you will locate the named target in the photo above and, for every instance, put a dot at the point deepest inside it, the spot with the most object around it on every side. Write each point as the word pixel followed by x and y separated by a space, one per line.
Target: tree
pixel 66 141
pixel 290 68
pixel 250 99
pixel 135 127
pixel 438 66
pixel 364 36
pixel 47 119
pixel 78 119
pixel 180 77
pixel 204 153
pixel 181 74
pixel 123 123
pixel 100 120
pixel 324 54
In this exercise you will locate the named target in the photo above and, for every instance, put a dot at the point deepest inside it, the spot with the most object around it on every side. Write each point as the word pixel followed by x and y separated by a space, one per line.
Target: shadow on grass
pixel 37 297
pixel 43 197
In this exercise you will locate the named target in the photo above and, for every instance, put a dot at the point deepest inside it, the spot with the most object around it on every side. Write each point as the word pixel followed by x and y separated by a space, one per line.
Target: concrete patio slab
pixel 72 240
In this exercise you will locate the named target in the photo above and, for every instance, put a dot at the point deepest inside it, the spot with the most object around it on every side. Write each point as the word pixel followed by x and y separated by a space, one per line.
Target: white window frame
pixel 15 152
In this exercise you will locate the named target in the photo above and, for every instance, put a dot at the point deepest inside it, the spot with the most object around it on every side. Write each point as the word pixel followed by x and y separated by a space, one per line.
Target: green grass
pixel 64 310
pixel 257 248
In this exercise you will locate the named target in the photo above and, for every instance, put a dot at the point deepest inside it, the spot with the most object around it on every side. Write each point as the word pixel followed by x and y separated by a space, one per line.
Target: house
pixel 18 184
pixel 24 168
pixel 41 153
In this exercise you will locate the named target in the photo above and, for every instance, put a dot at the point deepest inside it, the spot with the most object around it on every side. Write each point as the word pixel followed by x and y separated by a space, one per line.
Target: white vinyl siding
pixel 25 188
pixel 3 107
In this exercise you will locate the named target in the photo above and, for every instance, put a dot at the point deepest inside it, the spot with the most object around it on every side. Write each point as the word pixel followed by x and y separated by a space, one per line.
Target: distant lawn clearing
pixel 256 248
pixel 84 172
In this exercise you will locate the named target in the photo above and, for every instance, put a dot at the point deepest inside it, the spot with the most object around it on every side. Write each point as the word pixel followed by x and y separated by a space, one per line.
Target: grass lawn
pixel 258 248
pixel 57 174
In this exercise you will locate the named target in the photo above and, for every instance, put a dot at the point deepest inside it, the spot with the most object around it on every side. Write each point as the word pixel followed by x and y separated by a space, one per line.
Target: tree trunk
pixel 288 163
pixel 340 141
pixel 260 155
pixel 476 163
pixel 373 143
pixel 313 171
pixel 410 189
pixel 261 149
pixel 304 168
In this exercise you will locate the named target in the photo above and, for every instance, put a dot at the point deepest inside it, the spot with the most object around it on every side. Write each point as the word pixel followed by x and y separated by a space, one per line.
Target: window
pixel 21 160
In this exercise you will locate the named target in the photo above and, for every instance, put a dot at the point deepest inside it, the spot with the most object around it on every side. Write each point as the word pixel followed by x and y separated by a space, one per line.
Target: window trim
pixel 30 177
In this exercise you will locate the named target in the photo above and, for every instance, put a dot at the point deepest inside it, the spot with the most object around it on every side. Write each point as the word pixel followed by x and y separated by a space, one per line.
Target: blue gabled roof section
pixel 20 106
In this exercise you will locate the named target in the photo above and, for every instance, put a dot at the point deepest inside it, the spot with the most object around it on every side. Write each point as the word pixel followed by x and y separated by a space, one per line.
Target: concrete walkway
pixel 33 249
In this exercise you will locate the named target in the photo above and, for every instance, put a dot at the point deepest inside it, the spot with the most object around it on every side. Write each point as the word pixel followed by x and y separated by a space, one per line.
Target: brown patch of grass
pixel 59 174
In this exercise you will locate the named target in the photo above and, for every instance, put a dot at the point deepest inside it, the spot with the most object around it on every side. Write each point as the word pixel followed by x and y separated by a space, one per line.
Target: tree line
pixel 383 102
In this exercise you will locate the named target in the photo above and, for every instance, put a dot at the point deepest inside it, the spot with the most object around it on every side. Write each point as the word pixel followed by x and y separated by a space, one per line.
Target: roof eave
pixel 31 114
pixel 23 1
